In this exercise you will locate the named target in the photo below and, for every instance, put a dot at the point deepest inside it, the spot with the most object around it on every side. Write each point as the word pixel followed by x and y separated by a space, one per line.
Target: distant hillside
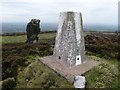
pixel 21 27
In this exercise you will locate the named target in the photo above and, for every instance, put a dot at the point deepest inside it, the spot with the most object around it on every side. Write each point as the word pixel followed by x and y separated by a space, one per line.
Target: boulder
pixel 33 30
pixel 79 82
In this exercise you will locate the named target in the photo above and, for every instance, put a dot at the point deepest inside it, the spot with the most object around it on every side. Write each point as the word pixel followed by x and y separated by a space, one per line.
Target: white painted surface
pixel 79 82
pixel 59 31
pixel 78 28
pixel 68 44
pixel 78 36
pixel 78 60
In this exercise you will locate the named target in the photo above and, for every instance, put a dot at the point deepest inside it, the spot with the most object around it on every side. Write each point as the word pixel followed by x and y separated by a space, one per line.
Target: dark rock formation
pixel 33 30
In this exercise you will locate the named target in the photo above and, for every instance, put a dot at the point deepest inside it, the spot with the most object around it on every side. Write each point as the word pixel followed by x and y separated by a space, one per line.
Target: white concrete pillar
pixel 69 44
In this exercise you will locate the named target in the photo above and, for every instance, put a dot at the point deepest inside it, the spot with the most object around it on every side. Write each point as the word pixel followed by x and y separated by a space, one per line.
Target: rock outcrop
pixel 33 30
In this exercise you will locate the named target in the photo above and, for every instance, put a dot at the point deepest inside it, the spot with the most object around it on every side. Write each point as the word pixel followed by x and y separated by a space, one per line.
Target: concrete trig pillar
pixel 69 45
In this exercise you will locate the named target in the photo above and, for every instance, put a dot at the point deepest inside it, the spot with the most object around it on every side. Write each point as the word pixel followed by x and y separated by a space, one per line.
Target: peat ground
pixel 18 56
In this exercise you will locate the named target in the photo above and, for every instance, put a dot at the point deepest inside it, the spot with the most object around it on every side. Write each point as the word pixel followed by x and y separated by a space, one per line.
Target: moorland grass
pixel 23 38
pixel 103 76
pixel 39 76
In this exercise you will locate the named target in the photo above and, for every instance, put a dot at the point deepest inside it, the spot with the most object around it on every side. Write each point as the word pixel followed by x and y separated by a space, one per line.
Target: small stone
pixel 79 82
pixel 35 41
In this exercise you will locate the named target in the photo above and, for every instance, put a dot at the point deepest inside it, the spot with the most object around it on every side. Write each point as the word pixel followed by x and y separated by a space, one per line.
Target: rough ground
pixel 66 71
pixel 14 55
pixel 105 44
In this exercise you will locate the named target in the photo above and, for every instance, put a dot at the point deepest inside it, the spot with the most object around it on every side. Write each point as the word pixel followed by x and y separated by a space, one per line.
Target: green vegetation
pixel 36 75
pixel 13 39
pixel 103 76
pixel 23 38
pixel 21 62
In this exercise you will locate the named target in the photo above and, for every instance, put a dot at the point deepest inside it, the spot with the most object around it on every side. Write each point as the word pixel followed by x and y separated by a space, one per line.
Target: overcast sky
pixel 93 11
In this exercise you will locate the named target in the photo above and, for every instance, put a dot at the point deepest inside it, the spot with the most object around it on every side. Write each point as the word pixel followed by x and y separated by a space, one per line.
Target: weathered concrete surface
pixel 69 44
pixel 69 59
pixel 79 82
pixel 64 70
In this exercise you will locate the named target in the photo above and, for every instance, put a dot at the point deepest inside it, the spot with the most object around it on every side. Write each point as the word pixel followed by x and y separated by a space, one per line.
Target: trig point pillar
pixel 69 45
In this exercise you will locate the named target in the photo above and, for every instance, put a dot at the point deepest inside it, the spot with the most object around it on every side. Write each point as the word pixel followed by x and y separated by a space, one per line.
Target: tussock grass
pixel 36 75
pixel 103 76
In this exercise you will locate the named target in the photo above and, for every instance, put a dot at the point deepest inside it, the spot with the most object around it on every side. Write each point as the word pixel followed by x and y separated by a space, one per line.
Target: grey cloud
pixel 15 4
pixel 70 4
pixel 49 12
